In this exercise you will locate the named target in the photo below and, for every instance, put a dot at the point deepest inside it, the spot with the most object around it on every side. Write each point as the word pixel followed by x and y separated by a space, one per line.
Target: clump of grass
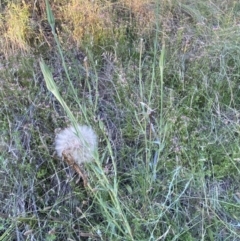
pixel 16 29
pixel 86 21
pixel 142 15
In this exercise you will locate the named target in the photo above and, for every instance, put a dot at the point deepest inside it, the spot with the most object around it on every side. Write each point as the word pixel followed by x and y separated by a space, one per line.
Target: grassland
pixel 159 82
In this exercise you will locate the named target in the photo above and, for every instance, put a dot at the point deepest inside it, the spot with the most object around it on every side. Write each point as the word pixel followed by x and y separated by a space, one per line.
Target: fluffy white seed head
pixel 80 144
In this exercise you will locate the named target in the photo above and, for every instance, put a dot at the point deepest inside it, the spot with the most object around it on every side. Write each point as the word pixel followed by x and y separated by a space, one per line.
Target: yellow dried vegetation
pixel 95 22
pixel 143 13
pixel 16 28
pixel 84 19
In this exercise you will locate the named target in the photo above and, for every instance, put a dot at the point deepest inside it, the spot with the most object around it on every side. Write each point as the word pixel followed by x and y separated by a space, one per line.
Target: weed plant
pixel 161 89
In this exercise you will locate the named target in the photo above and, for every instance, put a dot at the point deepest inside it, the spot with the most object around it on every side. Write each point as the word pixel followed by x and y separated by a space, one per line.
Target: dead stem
pixel 67 157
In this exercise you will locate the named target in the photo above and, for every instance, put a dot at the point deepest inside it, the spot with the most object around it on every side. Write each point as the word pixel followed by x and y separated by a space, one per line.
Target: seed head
pixel 80 144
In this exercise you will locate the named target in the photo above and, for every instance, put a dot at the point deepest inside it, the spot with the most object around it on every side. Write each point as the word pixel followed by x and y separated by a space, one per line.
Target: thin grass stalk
pixel 155 44
pixel 158 140
pixel 96 79
pixel 170 190
pixel 140 70
pixel 144 121
pixel 112 191
pixel 51 21
pixel 114 199
pixel 8 233
pixel 161 68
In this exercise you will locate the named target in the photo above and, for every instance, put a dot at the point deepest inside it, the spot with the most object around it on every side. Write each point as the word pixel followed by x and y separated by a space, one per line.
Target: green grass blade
pixel 50 16
pixel 54 90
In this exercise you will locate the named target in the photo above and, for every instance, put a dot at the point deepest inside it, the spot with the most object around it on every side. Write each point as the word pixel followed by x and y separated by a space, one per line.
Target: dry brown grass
pixel 16 29
pixel 84 19
pixel 143 13
pixel 80 21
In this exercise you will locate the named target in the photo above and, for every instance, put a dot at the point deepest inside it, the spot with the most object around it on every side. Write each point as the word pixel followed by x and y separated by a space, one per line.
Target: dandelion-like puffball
pixel 80 144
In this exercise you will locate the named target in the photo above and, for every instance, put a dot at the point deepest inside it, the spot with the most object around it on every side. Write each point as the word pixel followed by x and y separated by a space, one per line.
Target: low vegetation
pixel 158 82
